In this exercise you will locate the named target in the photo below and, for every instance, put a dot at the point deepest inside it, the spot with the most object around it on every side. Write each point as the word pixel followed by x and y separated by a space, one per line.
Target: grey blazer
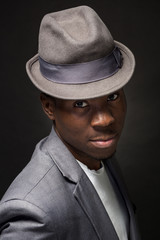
pixel 52 198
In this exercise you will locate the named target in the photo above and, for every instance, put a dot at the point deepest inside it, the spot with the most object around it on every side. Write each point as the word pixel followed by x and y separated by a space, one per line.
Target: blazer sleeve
pixel 20 220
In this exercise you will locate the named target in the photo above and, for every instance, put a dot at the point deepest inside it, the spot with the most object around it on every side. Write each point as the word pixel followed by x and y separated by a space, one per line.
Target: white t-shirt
pixel 110 198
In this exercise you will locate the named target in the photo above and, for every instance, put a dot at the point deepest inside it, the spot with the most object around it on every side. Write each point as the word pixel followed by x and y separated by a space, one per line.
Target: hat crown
pixel 74 35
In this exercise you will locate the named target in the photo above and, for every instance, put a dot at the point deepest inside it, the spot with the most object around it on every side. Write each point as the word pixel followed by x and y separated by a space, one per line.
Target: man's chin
pixel 101 157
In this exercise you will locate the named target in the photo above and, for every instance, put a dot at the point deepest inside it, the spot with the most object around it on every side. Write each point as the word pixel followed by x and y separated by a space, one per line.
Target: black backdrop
pixel 136 24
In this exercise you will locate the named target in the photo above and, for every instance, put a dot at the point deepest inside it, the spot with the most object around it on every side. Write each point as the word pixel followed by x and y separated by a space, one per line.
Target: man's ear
pixel 48 105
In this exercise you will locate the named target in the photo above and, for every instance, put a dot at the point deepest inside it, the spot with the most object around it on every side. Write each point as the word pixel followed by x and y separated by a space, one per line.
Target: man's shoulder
pixel 35 173
pixel 45 181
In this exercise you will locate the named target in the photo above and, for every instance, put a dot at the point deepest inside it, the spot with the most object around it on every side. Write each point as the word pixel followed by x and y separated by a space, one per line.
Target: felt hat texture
pixel 75 39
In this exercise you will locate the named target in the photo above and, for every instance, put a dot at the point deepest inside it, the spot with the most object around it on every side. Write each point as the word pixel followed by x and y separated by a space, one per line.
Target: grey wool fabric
pixel 52 198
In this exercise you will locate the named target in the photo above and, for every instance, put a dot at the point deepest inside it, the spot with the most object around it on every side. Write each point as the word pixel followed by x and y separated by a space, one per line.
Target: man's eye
pixel 112 97
pixel 81 104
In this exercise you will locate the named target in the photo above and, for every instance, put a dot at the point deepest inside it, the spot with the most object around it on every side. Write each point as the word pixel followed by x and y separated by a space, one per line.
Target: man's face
pixel 91 128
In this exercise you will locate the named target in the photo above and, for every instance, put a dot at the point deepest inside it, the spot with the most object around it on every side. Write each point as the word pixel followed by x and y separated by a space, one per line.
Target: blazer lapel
pixel 84 191
pixel 133 231
pixel 94 209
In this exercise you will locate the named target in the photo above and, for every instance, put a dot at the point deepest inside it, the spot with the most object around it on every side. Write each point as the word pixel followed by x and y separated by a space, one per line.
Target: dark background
pixel 134 23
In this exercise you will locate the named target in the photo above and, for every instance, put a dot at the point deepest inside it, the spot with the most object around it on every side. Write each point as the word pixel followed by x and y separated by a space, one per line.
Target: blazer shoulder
pixel 34 172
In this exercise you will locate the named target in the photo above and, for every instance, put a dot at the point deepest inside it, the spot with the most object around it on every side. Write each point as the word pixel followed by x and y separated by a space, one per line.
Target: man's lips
pixel 104 142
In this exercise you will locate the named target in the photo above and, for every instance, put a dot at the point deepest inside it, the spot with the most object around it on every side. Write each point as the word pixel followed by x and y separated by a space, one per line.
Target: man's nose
pixel 102 118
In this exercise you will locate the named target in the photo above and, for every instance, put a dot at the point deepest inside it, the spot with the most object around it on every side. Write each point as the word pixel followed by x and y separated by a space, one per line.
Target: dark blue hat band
pixel 81 73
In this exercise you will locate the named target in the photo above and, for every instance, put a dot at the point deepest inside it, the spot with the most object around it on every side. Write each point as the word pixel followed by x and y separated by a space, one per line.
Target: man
pixel 70 188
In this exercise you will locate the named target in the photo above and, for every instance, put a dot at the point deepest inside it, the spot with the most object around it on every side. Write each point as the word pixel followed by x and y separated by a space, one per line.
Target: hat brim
pixel 88 90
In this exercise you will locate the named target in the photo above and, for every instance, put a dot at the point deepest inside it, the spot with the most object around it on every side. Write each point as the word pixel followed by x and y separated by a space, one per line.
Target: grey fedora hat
pixel 77 56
